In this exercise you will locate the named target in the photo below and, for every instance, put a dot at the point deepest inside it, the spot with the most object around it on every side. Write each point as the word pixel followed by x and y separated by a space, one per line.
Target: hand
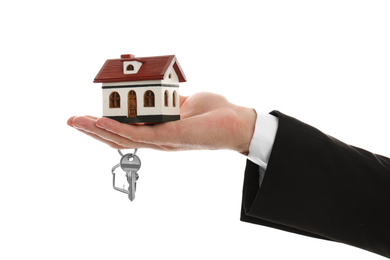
pixel 208 121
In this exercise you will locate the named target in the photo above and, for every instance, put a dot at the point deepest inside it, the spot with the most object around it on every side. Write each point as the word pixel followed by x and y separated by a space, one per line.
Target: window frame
pixel 166 98
pixel 130 67
pixel 149 100
pixel 174 97
pixel 114 100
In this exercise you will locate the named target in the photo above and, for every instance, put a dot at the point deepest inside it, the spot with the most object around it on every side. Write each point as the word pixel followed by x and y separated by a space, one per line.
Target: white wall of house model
pixel 170 83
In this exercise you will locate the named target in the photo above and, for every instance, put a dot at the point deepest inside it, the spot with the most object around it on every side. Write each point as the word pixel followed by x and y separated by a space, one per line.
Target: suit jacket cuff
pixel 316 185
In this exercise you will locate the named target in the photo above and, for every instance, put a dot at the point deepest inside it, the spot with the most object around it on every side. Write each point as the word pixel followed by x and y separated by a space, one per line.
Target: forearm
pixel 319 186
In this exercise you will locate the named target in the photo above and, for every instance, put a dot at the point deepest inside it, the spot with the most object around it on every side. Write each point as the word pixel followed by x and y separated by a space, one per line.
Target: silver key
pixel 131 163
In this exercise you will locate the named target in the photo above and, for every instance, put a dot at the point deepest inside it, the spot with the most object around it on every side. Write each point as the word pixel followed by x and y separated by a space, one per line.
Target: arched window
pixel 174 99
pixel 130 67
pixel 115 100
pixel 149 99
pixel 166 98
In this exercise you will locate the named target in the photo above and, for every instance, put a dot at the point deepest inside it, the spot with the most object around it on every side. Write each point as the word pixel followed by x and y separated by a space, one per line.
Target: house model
pixel 141 90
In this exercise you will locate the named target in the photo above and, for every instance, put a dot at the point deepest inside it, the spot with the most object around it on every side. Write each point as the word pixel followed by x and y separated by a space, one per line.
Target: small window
pixel 166 98
pixel 115 100
pixel 149 99
pixel 130 67
pixel 170 75
pixel 174 99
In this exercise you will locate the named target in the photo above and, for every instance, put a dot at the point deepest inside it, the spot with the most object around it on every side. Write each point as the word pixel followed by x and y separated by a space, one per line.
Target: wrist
pixel 247 121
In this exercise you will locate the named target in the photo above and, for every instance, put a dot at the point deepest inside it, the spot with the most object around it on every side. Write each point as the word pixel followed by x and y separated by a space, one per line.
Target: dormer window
pixel 130 67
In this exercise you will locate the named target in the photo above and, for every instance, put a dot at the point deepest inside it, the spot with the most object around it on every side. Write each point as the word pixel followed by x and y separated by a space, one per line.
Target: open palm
pixel 208 121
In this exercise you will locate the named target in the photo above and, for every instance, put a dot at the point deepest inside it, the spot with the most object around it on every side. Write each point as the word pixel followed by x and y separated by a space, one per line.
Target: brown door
pixel 132 111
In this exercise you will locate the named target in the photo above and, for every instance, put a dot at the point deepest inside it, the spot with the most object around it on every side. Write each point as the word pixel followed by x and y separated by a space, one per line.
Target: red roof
pixel 153 68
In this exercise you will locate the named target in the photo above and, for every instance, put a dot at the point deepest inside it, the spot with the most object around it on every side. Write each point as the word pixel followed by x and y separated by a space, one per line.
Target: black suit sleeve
pixel 318 186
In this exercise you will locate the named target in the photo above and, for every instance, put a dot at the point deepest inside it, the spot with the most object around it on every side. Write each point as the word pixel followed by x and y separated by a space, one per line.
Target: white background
pixel 324 62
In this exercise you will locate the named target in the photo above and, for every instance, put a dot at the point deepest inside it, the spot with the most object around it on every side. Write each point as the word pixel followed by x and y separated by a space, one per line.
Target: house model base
pixel 145 119
pixel 141 90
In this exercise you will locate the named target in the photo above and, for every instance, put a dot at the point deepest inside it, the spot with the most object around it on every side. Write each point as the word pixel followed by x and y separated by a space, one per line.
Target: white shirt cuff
pixel 263 139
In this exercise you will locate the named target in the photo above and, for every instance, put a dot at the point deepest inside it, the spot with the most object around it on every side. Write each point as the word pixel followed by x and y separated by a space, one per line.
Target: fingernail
pixel 76 123
pixel 70 121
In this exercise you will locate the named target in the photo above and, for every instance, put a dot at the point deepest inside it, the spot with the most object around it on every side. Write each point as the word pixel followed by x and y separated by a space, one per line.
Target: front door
pixel 132 101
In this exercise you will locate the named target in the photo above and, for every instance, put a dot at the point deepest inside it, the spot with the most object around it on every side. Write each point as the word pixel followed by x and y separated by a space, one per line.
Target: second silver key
pixel 131 163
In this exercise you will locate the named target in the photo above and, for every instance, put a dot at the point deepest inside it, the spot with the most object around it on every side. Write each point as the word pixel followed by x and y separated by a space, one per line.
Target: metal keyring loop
pixel 121 154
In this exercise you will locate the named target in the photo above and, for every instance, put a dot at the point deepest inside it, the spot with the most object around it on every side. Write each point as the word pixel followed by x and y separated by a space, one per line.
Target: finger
pixel 120 147
pixel 178 134
pixel 109 143
pixel 131 132
pixel 70 120
pixel 114 144
pixel 92 117
pixel 88 124
pixel 183 99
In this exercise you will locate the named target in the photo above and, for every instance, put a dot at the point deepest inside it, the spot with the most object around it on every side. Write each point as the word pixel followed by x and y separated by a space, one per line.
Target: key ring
pixel 131 190
pixel 121 154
